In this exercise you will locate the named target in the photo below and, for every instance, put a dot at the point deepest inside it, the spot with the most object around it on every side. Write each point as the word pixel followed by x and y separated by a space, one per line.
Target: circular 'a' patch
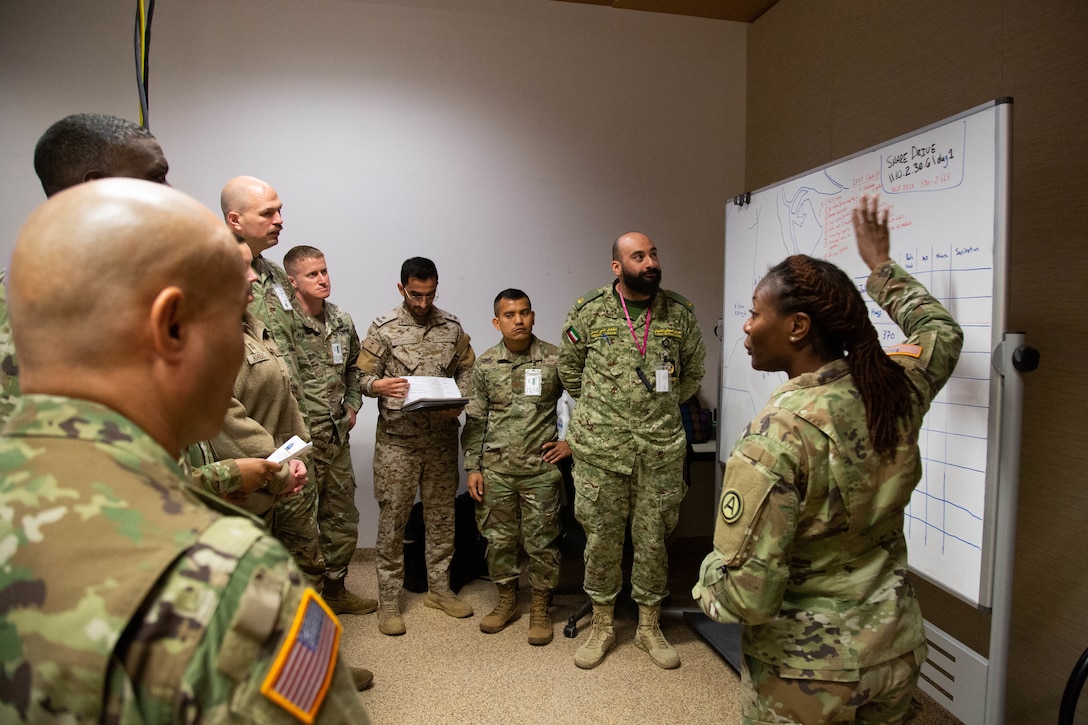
pixel 732 506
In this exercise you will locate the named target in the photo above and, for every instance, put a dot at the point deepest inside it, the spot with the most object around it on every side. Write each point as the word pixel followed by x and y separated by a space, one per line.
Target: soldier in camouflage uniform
pixel 9 364
pixel 326 338
pixel 127 598
pixel 809 551
pixel 75 149
pixel 417 450
pixel 263 415
pixel 253 212
pixel 631 352
pixel 510 453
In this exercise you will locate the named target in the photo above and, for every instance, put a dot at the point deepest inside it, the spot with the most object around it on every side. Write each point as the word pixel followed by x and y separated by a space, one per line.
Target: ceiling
pixel 743 11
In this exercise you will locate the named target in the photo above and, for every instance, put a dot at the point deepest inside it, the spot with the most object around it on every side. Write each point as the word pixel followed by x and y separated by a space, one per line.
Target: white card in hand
pixel 291 449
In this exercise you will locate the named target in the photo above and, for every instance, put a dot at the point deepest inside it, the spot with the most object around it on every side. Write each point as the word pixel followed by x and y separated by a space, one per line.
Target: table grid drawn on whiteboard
pixel 940 186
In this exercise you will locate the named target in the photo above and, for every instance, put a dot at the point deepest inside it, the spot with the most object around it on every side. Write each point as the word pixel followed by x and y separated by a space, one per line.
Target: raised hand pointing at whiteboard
pixel 871 230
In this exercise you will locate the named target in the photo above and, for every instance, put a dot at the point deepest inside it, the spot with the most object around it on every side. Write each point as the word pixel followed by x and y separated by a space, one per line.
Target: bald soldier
pixel 254 214
pixel 78 148
pixel 126 597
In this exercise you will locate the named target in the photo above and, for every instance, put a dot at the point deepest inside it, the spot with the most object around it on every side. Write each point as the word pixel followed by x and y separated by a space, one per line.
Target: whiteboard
pixel 946 185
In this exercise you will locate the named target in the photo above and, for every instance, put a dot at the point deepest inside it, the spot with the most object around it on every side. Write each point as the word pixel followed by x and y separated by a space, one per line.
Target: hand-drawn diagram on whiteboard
pixel 940 187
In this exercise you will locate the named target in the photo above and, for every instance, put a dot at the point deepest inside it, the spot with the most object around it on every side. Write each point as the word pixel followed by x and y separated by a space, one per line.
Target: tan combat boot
pixel 449 603
pixel 601 638
pixel 649 639
pixel 540 622
pixel 505 612
pixel 389 620
pixel 341 601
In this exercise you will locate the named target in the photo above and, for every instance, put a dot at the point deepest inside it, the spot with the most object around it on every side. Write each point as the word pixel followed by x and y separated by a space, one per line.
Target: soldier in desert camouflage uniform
pixel 417 450
pixel 808 548
pixel 510 453
pixel 630 353
pixel 326 339
pixel 75 149
pixel 127 598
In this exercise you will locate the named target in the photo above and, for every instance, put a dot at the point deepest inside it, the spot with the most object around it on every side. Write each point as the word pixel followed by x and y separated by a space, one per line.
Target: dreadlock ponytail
pixel 841 323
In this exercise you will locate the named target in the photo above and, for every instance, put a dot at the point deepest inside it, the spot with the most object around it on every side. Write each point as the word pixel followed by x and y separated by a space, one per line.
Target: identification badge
pixel 337 353
pixel 285 302
pixel 533 377
pixel 661 379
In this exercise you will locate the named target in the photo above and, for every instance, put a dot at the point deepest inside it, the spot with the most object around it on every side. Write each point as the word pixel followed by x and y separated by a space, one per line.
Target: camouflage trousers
pixel 293 520
pixel 337 516
pixel 884 694
pixel 400 472
pixel 517 507
pixel 604 502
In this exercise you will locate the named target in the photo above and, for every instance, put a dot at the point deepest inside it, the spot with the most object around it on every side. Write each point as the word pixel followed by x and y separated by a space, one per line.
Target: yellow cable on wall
pixel 142 46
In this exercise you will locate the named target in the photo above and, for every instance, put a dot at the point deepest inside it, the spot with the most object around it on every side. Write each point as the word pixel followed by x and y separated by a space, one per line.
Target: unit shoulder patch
pixel 744 492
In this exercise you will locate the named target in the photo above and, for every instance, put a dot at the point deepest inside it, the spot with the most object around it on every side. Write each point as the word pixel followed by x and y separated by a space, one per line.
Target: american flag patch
pixel 912 350
pixel 303 668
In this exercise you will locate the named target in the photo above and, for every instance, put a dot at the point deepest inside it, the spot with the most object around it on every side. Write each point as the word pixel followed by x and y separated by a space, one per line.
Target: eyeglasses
pixel 417 297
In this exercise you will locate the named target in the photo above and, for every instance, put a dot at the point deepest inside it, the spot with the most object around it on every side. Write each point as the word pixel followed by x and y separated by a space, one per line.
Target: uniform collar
pixel 436 317
pixel 533 351
pixel 822 376
pixel 59 417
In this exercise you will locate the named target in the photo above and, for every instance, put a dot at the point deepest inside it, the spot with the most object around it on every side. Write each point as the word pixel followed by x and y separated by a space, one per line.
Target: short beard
pixel 640 285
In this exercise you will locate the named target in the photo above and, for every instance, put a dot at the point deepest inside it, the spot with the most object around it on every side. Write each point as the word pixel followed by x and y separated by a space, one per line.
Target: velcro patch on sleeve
pixel 373 346
pixel 745 489
pixel 303 668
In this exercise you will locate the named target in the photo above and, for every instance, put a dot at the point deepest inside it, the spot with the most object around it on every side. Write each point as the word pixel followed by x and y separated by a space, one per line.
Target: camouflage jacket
pixel 127 598
pixel 504 428
pixel 274 304
pixel 331 351
pixel 9 365
pixel 263 415
pixel 617 417
pixel 808 546
pixel 208 473
pixel 396 345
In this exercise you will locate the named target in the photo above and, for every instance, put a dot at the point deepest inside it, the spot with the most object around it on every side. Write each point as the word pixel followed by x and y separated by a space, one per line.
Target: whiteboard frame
pixel 1002 108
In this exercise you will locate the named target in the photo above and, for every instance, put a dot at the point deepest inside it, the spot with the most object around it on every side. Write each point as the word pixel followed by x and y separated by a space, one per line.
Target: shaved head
pixel 118 282
pixel 251 209
pixel 238 193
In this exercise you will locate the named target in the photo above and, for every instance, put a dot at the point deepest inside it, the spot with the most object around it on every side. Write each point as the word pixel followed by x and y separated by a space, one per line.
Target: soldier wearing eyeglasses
pixel 417 450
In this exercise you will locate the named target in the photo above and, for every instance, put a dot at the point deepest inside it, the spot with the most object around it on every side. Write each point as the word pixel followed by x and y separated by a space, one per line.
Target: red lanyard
pixel 631 326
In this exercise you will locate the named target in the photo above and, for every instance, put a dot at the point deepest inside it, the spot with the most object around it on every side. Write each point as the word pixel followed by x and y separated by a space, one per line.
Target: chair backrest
pixel 1073 687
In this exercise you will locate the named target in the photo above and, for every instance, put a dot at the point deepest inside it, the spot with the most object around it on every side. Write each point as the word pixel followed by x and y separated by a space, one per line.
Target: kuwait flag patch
pixel 573 335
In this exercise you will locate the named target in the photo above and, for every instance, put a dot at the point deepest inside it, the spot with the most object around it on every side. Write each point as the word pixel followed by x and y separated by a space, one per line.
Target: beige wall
pixel 508 140
pixel 828 79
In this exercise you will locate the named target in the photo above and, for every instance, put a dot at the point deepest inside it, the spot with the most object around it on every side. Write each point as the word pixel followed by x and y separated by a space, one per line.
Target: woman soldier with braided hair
pixel 809 551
